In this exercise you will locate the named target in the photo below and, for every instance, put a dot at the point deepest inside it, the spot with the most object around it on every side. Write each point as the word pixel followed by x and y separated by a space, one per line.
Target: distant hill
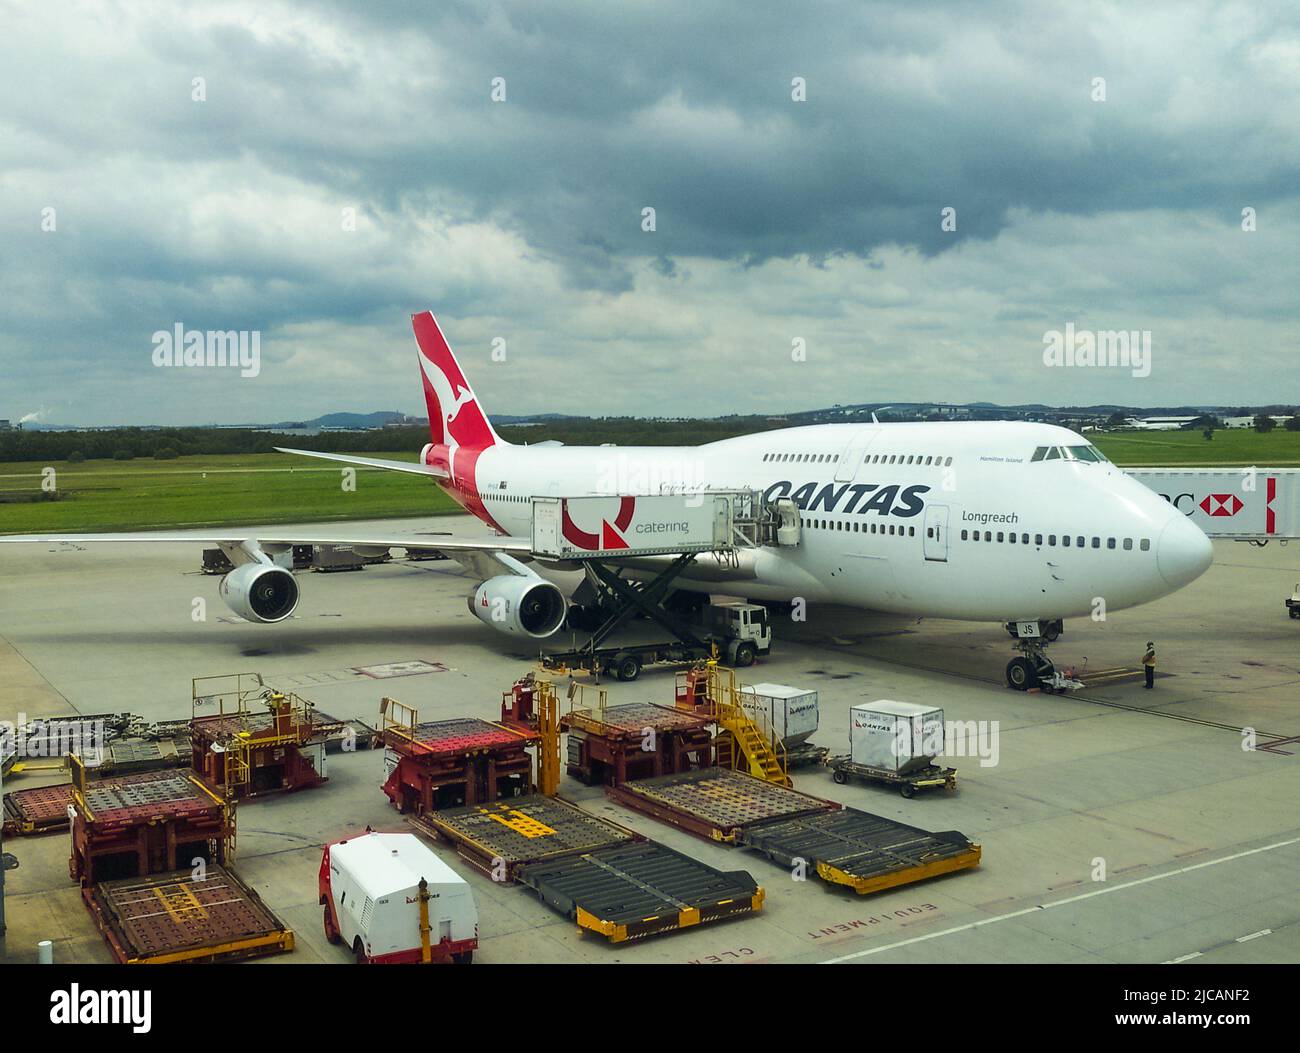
pixel 341 420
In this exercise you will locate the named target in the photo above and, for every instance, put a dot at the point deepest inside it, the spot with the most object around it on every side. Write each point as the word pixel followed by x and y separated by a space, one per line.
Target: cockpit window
pixel 1068 453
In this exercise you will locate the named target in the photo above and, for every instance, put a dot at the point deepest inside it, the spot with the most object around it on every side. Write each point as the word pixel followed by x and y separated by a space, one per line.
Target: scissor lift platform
pixel 501 836
pixel 168 918
pixel 716 803
pixel 450 763
pixel 866 852
pixel 148 823
pixel 610 744
pixel 638 890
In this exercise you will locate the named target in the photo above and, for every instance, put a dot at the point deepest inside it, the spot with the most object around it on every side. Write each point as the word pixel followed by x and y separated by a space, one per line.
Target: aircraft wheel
pixel 1021 675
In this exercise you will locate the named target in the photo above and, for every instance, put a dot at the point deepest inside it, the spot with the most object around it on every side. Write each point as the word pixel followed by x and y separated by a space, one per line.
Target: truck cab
pixel 744 627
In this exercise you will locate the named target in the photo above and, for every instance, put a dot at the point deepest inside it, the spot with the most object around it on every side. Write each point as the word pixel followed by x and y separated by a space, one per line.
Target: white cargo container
pixel 785 714
pixel 586 527
pixel 897 736
pixel 370 886
pixel 1231 502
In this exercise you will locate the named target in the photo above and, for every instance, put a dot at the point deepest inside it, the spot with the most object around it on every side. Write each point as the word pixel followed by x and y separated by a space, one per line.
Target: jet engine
pixel 519 605
pixel 260 592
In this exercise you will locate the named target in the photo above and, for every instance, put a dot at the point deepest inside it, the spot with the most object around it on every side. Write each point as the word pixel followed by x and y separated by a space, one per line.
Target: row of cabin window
pixel 898 458
pixel 1126 543
pixel 853 527
pixel 810 458
pixel 871 458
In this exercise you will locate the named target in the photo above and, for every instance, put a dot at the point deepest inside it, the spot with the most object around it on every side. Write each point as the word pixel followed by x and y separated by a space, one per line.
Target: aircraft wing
pixel 411 467
pixel 486 556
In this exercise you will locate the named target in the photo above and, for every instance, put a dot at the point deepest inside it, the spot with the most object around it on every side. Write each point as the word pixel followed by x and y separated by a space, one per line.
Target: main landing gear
pixel 1033 668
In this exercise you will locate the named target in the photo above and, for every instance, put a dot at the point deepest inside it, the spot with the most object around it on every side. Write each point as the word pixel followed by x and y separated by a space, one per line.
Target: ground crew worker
pixel 1149 665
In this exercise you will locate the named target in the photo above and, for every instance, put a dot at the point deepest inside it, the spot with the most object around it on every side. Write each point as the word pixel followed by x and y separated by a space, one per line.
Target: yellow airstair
pixel 740 743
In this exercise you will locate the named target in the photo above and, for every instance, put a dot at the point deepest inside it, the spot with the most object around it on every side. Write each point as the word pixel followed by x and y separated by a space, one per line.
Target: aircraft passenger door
pixel 936 533
pixel 853 454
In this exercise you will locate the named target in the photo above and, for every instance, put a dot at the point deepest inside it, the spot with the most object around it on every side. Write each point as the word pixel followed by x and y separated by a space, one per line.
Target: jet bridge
pixel 1252 504
pixel 1234 504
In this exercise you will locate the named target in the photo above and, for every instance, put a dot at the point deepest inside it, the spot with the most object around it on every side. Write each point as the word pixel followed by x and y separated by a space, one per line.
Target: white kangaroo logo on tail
pixel 449 401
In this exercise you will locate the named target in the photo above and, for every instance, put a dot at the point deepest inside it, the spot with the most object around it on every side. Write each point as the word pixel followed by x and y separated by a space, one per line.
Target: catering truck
pixel 393 902
pixel 736 633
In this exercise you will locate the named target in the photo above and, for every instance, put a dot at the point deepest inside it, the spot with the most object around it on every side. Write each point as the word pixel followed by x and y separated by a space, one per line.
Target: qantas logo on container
pixel 893 500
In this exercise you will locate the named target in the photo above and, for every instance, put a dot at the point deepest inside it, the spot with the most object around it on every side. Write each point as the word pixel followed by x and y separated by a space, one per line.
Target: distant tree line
pixel 124 444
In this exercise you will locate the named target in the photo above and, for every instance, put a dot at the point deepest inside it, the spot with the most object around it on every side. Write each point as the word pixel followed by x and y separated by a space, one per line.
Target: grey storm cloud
pixel 774 218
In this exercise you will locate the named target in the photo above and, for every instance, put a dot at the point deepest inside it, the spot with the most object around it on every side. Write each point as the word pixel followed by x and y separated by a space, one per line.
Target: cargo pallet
pixel 41 810
pixel 608 744
pixel 865 852
pixel 244 753
pixel 499 837
pixel 932 776
pixel 169 918
pixel 136 825
pixel 716 803
pixel 868 853
pixel 127 756
pixel 448 763
pixel 633 891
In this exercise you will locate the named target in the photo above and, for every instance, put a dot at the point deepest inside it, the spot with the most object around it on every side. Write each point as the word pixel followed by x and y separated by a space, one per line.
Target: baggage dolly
pixel 921 779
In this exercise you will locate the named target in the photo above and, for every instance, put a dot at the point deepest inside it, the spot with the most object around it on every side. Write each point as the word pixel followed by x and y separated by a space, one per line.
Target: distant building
pixel 1249 422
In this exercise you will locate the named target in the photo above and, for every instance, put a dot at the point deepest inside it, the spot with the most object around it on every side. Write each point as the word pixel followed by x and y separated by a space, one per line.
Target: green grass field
pixel 209 491
pixel 280 488
pixel 1188 449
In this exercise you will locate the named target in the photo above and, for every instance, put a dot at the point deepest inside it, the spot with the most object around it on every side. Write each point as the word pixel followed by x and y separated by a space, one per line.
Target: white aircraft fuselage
pixel 950 519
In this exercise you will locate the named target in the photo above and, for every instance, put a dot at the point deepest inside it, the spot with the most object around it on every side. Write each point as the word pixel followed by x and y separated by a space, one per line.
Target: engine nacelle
pixel 260 592
pixel 519 605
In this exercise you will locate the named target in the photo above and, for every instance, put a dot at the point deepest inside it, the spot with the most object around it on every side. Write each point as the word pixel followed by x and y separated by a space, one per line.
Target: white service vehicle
pixel 393 902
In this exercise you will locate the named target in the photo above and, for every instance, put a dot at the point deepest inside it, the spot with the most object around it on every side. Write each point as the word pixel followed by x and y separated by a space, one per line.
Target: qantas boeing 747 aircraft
pixel 1024 524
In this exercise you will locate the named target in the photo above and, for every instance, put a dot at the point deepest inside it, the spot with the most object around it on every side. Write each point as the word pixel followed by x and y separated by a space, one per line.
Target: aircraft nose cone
pixel 1183 552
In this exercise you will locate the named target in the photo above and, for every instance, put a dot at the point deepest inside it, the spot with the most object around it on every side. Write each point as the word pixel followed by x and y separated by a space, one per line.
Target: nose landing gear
pixel 1033 668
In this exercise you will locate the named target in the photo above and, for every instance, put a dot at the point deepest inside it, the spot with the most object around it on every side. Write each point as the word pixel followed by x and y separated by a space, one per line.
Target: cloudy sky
pixel 1098 159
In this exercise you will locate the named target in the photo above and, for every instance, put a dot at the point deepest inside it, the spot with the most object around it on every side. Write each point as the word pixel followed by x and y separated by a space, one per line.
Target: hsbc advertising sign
pixel 1245 503
pixel 585 527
